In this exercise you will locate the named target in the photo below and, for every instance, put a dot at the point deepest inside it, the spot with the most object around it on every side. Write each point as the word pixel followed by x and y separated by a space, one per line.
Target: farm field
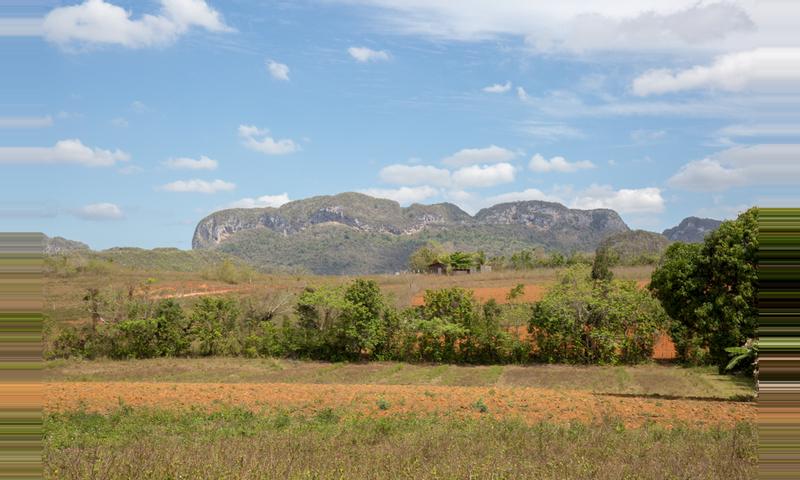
pixel 643 380
pixel 369 420
pixel 235 417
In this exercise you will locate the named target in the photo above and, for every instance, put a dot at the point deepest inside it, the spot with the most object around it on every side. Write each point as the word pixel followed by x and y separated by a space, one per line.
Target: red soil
pixel 529 404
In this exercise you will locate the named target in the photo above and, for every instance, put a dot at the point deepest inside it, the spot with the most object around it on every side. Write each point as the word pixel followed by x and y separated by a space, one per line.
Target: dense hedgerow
pixel 580 321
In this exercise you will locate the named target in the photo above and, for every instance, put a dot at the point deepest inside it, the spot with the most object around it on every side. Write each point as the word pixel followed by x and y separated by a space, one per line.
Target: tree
pixel 424 256
pixel 583 321
pixel 362 327
pixel 461 260
pixel 604 259
pixel 212 319
pixel 711 290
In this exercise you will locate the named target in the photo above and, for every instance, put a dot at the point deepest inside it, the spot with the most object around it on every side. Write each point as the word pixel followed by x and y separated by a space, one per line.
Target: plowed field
pixel 529 404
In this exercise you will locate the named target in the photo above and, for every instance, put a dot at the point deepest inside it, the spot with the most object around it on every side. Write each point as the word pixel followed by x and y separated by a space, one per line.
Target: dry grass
pixel 63 295
pixel 145 444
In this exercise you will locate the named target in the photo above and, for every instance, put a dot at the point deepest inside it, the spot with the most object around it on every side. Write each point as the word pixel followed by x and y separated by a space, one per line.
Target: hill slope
pixel 692 229
pixel 636 246
pixel 53 245
pixel 352 233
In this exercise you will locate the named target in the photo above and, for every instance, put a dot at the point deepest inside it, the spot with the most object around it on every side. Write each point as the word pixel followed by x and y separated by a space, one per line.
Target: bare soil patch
pixel 529 404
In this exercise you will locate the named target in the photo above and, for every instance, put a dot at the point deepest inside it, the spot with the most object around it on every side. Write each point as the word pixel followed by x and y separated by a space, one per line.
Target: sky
pixel 123 123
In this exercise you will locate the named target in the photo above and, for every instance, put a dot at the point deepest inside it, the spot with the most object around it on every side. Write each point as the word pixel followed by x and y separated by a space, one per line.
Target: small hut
pixel 437 268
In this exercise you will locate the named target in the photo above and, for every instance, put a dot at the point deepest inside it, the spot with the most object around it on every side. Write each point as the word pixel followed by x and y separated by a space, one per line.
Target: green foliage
pixel 710 290
pixel 635 247
pixel 604 259
pixel 743 358
pixel 461 261
pixel 211 321
pixel 585 321
pixel 424 256
pixel 516 292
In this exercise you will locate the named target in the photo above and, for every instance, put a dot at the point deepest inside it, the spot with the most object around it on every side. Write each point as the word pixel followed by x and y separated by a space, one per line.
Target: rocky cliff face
pixel 57 245
pixel 692 229
pixel 354 210
pixel 354 233
pixel 546 216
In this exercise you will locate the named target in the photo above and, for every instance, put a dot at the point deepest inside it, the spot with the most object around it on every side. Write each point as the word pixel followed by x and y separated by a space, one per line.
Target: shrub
pixel 585 321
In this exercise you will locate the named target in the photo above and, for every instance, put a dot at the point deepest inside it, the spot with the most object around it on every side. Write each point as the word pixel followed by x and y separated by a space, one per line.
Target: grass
pixel 650 379
pixel 234 443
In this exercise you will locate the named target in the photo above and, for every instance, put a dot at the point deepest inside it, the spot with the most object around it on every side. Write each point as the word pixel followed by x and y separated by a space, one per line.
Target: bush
pixel 585 321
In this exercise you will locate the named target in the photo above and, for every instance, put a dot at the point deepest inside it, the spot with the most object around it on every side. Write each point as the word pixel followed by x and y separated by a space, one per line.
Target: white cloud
pixel 764 165
pixel 259 140
pixel 278 71
pixel 525 195
pixel 550 131
pixel 625 200
pixel 415 175
pixel 483 175
pixel 498 88
pixel 472 156
pixel 202 163
pixel 100 211
pixel 522 94
pixel 761 130
pixel 139 107
pixel 130 170
pixel 581 26
pixel 403 195
pixel 273 201
pixel 70 151
pixel 99 22
pixel 646 136
pixel 364 54
pixel 557 164
pixel 26 122
pixel 762 68
pixel 198 186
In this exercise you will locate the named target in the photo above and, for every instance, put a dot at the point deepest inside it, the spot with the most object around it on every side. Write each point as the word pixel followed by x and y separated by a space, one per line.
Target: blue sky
pixel 123 123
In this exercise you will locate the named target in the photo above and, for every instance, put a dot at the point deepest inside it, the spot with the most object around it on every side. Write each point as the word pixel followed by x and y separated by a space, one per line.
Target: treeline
pixel 580 320
pixel 525 259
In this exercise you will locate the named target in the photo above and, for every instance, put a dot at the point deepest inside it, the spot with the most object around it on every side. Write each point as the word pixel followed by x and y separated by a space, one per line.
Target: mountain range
pixel 352 233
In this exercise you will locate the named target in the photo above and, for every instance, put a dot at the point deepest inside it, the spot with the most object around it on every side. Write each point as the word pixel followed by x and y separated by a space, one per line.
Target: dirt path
pixel 530 404
pixel 196 294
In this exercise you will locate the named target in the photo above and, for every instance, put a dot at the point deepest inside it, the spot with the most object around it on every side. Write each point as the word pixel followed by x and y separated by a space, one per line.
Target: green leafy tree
pixel 583 321
pixel 711 290
pixel 604 259
pixel 461 260
pixel 213 320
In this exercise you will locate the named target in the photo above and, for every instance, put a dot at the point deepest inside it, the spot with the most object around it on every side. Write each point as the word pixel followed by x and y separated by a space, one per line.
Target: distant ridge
pixel 352 233
pixel 692 229
pixel 54 245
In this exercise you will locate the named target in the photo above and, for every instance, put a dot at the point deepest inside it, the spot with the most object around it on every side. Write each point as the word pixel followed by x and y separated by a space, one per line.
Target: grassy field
pixel 276 418
pixel 234 443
